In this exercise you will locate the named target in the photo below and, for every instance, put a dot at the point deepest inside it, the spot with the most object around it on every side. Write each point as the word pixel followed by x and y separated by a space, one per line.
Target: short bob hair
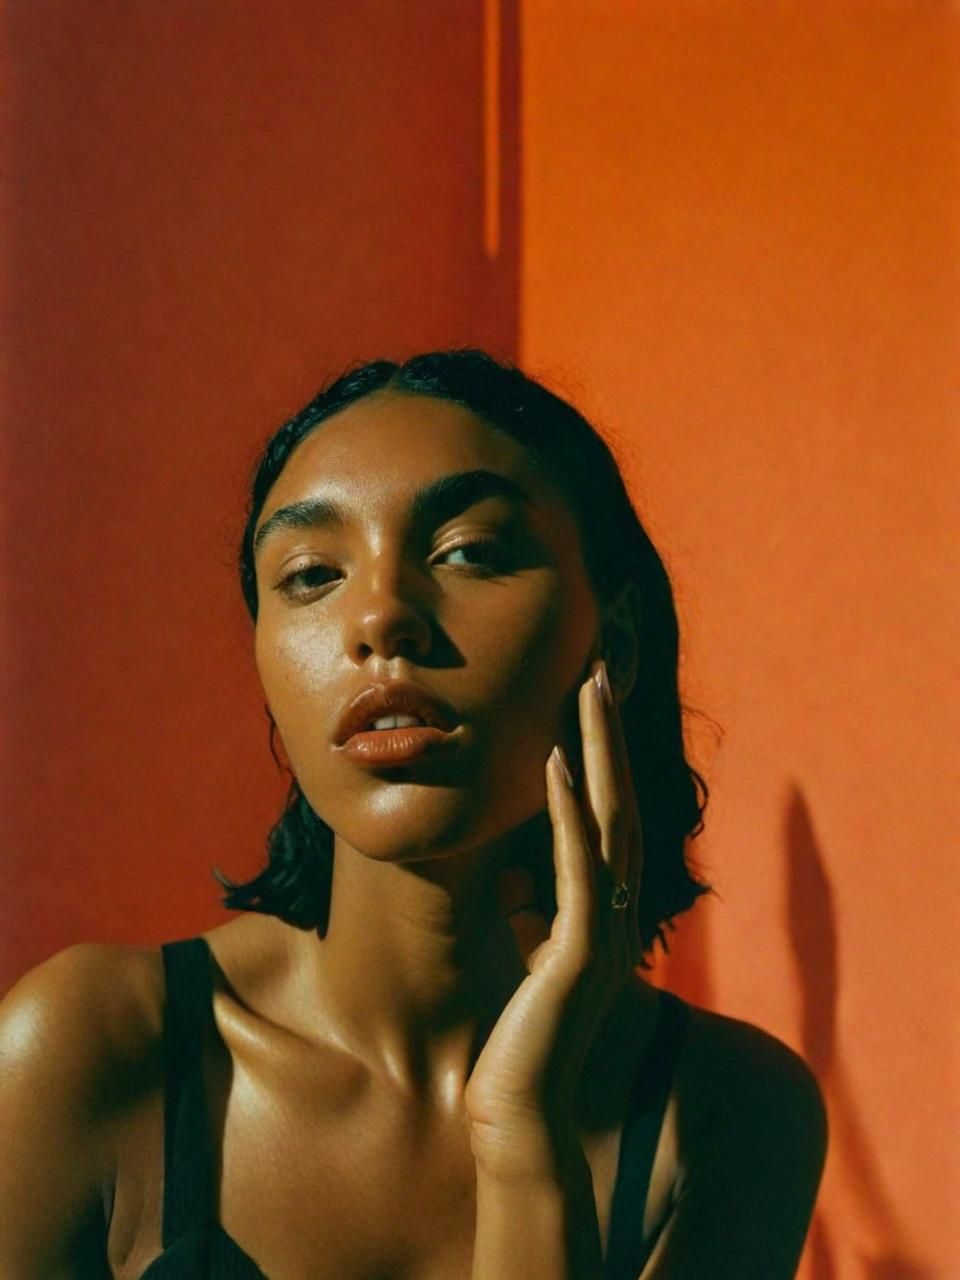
pixel 671 795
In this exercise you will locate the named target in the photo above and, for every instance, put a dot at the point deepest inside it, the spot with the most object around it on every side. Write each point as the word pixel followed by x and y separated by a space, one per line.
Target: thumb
pixel 517 901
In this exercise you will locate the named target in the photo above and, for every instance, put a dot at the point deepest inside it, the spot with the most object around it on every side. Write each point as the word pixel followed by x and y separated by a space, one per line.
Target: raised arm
pixel 752 1138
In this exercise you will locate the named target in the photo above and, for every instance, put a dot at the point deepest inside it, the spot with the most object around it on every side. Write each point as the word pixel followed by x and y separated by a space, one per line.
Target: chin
pixel 412 823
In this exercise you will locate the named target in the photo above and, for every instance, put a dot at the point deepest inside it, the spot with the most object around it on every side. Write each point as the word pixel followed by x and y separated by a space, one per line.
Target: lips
pixel 394 697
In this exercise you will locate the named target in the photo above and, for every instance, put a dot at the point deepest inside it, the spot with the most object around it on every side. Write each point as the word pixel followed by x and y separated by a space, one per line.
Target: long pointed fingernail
pixel 603 681
pixel 560 757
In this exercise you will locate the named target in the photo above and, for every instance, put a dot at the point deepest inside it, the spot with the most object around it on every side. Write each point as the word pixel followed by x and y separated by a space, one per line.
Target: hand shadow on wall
pixel 813 939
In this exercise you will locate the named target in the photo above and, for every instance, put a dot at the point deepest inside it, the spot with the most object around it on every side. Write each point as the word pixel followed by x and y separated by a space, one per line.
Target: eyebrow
pixel 439 501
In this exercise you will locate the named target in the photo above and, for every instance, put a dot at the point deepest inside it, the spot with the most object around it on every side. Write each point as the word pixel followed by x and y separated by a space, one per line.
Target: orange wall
pixel 211 209
pixel 739 250
pixel 740 225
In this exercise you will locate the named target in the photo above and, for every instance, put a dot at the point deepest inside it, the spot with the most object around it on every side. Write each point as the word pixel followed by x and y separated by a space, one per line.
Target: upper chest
pixel 319 1172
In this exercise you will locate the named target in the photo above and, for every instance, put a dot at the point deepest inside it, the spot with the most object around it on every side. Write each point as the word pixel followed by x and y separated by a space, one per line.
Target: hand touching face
pixel 523 1084
pixel 478 595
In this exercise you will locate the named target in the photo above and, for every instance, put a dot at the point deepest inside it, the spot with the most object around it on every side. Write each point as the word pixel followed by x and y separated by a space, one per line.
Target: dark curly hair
pixel 671 795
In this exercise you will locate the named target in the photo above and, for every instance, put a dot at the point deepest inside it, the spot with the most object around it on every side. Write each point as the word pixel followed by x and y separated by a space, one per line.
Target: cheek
pixel 533 672
pixel 517 683
pixel 295 666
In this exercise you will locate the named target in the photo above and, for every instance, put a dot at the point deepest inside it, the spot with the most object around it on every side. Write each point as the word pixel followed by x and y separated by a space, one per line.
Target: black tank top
pixel 195 1245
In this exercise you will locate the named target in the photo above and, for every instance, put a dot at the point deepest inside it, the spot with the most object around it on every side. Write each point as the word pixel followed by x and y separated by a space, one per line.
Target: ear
pixel 619 639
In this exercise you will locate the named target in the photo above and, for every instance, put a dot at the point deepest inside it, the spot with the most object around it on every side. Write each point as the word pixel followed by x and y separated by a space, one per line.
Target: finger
pixel 625 774
pixel 635 845
pixel 574 925
pixel 604 786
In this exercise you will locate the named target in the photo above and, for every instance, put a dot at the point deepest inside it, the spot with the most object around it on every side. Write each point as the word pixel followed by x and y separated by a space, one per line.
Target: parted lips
pixel 394 697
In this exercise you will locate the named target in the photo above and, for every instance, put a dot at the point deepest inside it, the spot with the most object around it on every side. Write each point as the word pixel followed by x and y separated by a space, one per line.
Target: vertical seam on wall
pixel 491 128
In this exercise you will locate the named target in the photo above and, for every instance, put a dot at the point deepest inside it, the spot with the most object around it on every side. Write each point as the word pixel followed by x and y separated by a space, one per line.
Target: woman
pixel 425 1049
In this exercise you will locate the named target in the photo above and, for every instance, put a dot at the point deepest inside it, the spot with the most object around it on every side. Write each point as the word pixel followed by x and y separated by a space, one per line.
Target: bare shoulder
pixel 79 1034
pixel 80 1039
pixel 732 1070
pixel 751 1144
pixel 731 1056
pixel 89 1006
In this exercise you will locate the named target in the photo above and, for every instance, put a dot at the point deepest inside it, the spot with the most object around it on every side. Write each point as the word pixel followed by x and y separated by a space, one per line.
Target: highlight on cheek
pixel 439 572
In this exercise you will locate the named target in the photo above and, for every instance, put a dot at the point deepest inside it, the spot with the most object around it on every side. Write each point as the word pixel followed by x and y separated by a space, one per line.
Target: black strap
pixel 187 1176
pixel 626 1253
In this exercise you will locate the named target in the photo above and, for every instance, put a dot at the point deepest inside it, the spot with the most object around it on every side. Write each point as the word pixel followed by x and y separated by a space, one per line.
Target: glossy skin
pixel 417 849
pixel 328 1052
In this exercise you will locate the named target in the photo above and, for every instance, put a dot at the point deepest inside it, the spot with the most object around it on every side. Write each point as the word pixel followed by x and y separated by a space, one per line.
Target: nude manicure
pixel 603 681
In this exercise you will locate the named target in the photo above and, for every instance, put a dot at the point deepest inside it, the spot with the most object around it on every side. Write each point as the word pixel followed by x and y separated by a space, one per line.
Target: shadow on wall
pixel 686 967
pixel 813 940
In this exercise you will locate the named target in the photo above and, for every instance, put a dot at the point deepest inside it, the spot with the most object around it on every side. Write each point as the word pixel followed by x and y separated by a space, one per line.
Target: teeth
pixel 397 722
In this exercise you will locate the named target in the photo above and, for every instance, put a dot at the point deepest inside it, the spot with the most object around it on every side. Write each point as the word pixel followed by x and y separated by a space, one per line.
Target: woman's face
pixel 378 596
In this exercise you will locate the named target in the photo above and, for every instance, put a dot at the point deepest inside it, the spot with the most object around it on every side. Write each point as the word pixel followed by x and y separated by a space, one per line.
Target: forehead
pixel 388 444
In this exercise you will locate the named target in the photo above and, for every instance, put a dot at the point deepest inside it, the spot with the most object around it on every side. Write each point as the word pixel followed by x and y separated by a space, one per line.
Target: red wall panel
pixel 210 210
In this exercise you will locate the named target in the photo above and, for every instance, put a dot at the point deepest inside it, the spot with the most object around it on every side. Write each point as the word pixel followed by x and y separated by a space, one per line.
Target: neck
pixel 416 965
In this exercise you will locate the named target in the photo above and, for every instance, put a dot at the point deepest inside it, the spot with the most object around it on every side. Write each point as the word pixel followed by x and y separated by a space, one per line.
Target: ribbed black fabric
pixel 196 1247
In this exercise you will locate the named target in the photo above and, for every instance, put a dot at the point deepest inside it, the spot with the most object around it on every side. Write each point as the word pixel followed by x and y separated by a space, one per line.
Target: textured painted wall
pixel 740 252
pixel 211 209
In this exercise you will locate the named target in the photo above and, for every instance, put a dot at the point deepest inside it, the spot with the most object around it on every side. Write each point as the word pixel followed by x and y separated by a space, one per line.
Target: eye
pixel 489 555
pixel 307 577
pixel 493 555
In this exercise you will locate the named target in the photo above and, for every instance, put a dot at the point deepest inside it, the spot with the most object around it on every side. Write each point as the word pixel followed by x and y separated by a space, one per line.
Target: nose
pixel 386 615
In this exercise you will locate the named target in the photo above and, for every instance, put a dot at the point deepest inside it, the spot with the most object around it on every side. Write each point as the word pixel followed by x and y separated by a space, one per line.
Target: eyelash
pixel 490 546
